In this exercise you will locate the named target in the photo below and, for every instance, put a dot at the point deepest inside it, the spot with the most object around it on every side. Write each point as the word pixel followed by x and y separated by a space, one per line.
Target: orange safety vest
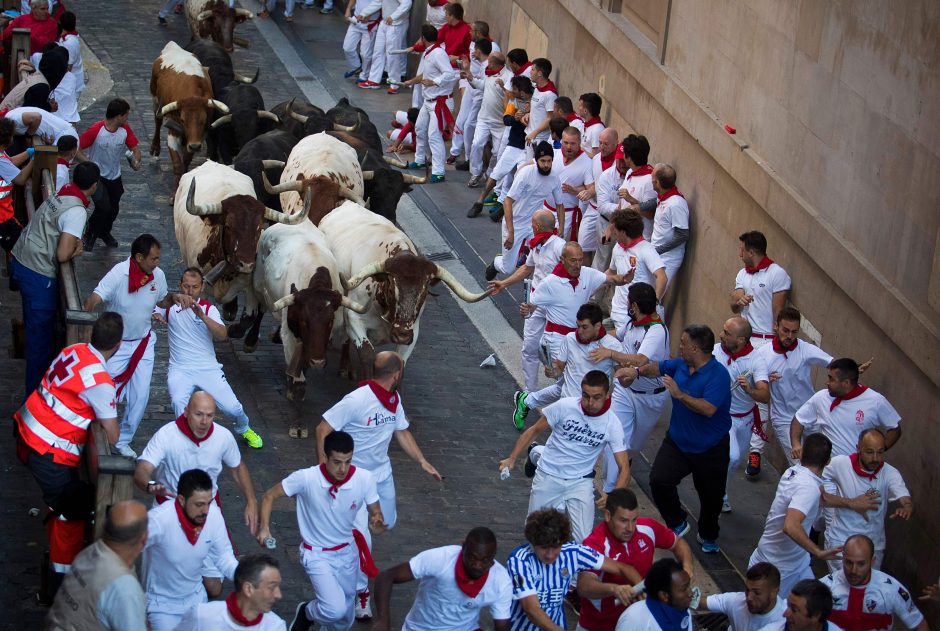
pixel 6 195
pixel 55 418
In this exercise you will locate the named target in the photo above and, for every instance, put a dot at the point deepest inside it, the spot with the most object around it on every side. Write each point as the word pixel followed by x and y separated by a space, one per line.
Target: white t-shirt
pixel 73 43
pixel 591 136
pixel 371 424
pixel 191 345
pixel 137 307
pixel 106 148
pixel 798 489
pixel 543 258
pixel 751 365
pixel 62 177
pixel 66 97
pixel 641 189
pixel 650 341
pixel 641 257
pixel 842 479
pixel 543 104
pixel 734 605
pixel 172 566
pixel 577 439
pixel 72 220
pixel 578 172
pixel 50 125
pixel 327 519
pixel 101 397
pixel 795 385
pixel 561 301
pixel 671 213
pixel 762 284
pixel 530 191
pixel 577 364
pixel 437 68
pixel 173 453
pixel 214 616
pixel 843 423
pixel 882 595
pixel 637 617
pixel 440 604
pixel 607 193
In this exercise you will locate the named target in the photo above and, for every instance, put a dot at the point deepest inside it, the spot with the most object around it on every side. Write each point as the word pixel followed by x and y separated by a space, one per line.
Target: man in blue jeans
pixel 697 441
pixel 53 236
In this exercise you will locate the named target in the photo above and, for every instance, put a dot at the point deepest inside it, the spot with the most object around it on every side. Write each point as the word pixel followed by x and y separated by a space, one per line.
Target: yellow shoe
pixel 252 438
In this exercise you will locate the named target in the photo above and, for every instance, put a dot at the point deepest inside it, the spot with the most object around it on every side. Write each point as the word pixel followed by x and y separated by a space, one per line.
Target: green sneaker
pixel 490 200
pixel 521 411
pixel 252 438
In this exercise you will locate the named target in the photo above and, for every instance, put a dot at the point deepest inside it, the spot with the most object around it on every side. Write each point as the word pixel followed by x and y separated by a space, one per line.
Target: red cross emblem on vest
pixel 61 371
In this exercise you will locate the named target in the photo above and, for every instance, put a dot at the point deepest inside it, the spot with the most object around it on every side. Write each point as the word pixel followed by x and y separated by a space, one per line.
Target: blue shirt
pixel 550 583
pixel 691 432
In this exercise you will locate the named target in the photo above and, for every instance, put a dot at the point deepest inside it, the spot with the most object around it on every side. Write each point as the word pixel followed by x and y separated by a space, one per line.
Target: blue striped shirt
pixel 531 577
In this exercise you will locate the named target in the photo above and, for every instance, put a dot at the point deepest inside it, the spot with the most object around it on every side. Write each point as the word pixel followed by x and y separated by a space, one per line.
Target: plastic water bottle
pixel 504 473
pixel 270 543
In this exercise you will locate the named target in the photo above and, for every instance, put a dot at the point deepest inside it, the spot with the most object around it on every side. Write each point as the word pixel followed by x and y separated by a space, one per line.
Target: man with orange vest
pixel 52 429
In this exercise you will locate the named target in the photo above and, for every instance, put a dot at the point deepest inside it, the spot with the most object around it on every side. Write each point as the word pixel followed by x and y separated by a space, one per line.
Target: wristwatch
pixel 150 484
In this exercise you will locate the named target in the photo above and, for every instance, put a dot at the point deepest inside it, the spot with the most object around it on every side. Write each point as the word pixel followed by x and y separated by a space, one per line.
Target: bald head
pixel 607 142
pixel 544 220
pixel 859 545
pixel 200 413
pixel 125 524
pixel 386 364
pixel 740 326
pixel 665 175
pixel 497 59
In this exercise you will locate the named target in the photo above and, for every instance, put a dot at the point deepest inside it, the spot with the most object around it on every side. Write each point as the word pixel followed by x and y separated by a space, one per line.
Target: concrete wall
pixel 835 160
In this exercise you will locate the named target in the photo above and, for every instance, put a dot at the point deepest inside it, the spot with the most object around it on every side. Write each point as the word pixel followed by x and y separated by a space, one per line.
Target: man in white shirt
pixel 866 598
pixel 193 364
pixel 843 409
pixel 608 157
pixel 435 119
pixel 575 171
pixel 257 590
pixel 359 41
pixel 489 125
pixel 637 187
pixel 671 222
pixel 858 489
pixel 454 584
pixel 372 414
pixel 633 257
pixel 133 288
pixel 182 535
pixel 750 387
pixel 761 289
pixel 389 36
pixel 34 121
pixel 790 363
pixel 785 542
pixel 332 550
pixel 581 428
pixel 471 96
pixel 666 607
pixel 809 605
pixel 589 108
pixel 757 606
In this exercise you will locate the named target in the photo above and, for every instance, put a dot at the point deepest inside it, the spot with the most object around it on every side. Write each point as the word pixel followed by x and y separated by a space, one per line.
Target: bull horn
pixel 347 193
pixel 289 220
pixel 371 269
pixel 462 292
pixel 244 13
pixel 286 301
pixel 204 15
pixel 300 118
pixel 166 109
pixel 221 120
pixel 285 187
pixel 338 127
pixel 414 179
pixel 246 79
pixel 213 274
pixel 273 164
pixel 352 305
pixel 219 105
pixel 200 210
pixel 367 175
pixel 269 115
pixel 395 162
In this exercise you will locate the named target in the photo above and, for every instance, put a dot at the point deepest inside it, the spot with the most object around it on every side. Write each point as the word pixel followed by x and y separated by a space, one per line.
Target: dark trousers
pixel 107 205
pixel 40 297
pixel 709 471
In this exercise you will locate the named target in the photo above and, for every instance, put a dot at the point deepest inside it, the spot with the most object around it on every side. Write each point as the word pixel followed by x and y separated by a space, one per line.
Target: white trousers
pixel 545 396
pixel 575 497
pixel 507 261
pixel 758 443
pixel 788 578
pixel 389 508
pixel 505 168
pixel 740 430
pixel 388 37
pixel 181 382
pixel 587 231
pixel 484 132
pixel 604 250
pixel 672 263
pixel 136 393
pixel 163 621
pixel 357 47
pixel 782 430
pixel 531 337
pixel 333 575
pixel 466 121
pixel 428 134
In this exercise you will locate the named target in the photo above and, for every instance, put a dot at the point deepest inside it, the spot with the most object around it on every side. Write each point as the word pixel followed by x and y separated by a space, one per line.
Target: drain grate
pixel 440 256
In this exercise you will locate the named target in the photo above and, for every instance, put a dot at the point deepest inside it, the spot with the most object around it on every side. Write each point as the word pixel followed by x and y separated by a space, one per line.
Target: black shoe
pixel 90 242
pixel 162 23
pixel 109 241
pixel 300 622
pixel 574 601
pixel 462 165
pixel 490 273
pixel 475 210
pixel 529 468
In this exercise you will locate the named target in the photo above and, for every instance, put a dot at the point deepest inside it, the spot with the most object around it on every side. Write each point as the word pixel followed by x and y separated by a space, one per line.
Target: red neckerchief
pixel 571 116
pixel 603 409
pixel 63 162
pixel 489 72
pixel 854 392
pixel 73 190
pixel 648 321
pixel 335 484
pixel 541 238
pixel 232 603
pixel 857 468
pixel 576 156
pixel 438 3
pixel 764 264
pixel 188 433
pixel 741 353
pixel 65 34
pixel 779 348
pixel 135 276
pixel 432 47
pixel 469 586
pixel 189 529
pixel 608 161
pixel 523 68
pixel 670 193
pixel 646 169
pixel 389 400
pixel 594 120
pixel 600 335
pixel 627 246
pixel 563 273
pixel 548 87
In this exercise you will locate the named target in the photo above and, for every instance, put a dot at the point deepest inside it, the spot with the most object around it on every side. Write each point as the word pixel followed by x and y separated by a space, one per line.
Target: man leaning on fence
pixel 53 236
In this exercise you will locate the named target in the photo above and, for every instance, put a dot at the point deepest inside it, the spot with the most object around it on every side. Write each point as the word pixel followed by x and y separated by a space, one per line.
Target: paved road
pixel 458 411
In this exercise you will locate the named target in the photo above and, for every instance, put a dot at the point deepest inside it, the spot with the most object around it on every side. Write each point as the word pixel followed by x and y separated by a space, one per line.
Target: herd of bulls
pixel 320 248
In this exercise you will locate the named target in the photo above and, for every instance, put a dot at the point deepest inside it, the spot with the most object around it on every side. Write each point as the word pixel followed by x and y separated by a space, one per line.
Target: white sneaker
pixel 127 452
pixel 725 506
pixel 363 607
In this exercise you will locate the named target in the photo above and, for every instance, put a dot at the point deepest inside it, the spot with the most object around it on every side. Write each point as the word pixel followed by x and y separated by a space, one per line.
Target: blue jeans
pixel 40 296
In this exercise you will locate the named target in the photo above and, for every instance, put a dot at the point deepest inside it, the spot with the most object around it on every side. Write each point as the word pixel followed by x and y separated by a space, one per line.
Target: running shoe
pixel 709 546
pixel 437 179
pixel 475 210
pixel 682 529
pixel 725 506
pixel 368 85
pixel 491 200
pixel 521 410
pixel 300 621
pixel 753 465
pixel 476 181
pixel 252 438
pixel 349 74
pixel 392 89
pixel 451 159
pixel 416 165
pixel 363 607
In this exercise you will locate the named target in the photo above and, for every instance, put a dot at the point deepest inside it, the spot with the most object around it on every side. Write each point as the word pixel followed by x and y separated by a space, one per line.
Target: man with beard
pixel 757 606
pixel 533 186
pixel 372 414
